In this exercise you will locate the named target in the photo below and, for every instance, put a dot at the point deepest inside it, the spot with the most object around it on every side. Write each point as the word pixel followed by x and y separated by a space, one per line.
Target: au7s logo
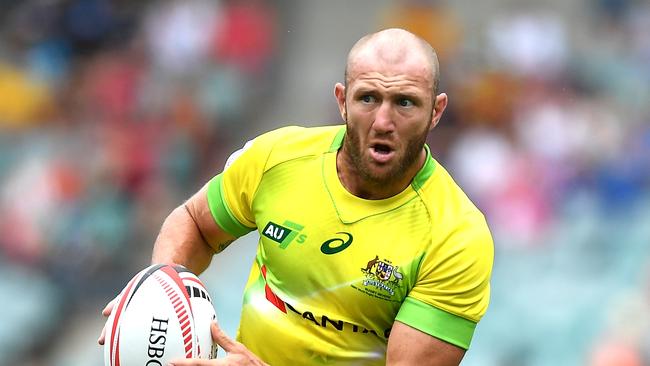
pixel 284 234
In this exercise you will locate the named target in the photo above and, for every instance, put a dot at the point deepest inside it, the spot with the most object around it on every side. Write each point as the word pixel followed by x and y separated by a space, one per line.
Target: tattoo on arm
pixel 223 246
pixel 220 247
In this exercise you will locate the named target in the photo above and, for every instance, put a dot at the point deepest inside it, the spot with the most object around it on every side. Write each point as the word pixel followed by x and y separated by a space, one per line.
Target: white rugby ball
pixel 163 313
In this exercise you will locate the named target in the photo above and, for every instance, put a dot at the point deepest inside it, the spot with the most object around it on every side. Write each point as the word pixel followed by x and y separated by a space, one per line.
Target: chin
pixel 383 175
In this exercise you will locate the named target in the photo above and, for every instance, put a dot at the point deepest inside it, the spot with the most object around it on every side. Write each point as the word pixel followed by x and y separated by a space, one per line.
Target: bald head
pixel 394 46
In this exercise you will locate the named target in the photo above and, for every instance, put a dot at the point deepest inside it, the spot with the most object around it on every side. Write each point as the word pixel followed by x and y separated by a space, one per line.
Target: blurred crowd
pixel 112 112
pixel 548 131
pixel 538 117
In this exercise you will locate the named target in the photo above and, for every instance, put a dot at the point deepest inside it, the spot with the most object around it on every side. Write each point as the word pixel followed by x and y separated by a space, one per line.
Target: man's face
pixel 388 112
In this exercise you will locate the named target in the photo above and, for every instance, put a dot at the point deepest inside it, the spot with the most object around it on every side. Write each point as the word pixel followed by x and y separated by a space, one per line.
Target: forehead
pixel 391 77
pixel 393 67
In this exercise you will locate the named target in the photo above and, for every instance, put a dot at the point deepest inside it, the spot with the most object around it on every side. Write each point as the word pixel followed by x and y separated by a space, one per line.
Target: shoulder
pixel 459 229
pixel 445 199
pixel 294 142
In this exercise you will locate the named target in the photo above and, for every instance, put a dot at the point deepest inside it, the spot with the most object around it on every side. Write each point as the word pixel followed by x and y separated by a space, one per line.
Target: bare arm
pixel 409 346
pixel 190 236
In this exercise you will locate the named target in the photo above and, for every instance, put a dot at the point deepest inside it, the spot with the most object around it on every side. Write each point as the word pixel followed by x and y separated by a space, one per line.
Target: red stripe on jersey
pixel 271 296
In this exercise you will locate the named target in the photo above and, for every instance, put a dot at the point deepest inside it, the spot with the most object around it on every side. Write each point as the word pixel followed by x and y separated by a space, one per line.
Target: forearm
pixel 180 242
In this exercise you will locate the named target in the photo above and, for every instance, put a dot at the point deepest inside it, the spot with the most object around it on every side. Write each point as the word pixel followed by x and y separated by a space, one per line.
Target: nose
pixel 384 122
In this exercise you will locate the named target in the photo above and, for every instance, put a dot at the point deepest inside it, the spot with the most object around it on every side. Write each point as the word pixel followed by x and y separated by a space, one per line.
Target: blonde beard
pixel 360 161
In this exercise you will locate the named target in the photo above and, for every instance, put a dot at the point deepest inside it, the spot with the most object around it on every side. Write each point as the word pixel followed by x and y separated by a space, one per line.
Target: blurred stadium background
pixel 113 112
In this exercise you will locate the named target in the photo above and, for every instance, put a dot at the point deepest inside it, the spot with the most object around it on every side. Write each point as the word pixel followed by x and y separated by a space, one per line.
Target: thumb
pixel 221 338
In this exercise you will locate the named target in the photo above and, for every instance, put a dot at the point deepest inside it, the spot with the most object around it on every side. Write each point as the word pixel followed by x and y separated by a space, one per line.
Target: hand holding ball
pixel 163 313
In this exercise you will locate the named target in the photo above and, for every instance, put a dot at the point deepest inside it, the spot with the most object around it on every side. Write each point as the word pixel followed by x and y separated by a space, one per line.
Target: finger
pixel 221 338
pixel 102 336
pixel 108 309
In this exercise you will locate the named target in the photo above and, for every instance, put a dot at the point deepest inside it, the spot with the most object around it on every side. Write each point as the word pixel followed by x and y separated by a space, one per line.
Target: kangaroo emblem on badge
pixel 382 270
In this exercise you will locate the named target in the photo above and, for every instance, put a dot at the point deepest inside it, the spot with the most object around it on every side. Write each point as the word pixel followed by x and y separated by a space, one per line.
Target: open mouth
pixel 381 149
pixel 381 153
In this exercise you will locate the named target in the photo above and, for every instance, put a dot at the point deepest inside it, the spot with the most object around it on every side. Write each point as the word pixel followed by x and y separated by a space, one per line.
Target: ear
pixel 339 93
pixel 439 106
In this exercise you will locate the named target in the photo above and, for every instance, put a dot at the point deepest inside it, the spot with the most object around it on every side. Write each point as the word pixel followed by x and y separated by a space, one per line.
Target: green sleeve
pixel 220 211
pixel 437 323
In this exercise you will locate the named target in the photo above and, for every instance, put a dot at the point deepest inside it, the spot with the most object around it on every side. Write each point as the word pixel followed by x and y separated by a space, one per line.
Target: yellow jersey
pixel 334 271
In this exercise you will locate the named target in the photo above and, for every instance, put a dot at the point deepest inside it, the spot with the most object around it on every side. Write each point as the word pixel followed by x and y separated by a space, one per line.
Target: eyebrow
pixel 400 94
pixel 408 95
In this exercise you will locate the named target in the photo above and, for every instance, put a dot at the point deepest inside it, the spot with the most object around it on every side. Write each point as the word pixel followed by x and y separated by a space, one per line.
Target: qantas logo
pixel 329 322
pixel 321 320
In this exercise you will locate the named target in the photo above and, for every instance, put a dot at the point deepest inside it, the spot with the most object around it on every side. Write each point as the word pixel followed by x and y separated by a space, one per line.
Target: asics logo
pixel 338 244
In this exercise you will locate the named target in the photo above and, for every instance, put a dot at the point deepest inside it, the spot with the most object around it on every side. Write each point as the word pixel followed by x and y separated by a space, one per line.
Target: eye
pixel 405 102
pixel 367 99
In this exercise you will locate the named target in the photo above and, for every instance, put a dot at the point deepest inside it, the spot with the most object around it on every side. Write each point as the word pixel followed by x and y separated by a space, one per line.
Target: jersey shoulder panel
pixel 441 194
pixel 456 267
pixel 294 142
pixel 231 193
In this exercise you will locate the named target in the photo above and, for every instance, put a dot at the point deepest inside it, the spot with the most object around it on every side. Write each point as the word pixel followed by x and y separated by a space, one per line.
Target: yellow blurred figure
pixel 23 102
pixel 433 21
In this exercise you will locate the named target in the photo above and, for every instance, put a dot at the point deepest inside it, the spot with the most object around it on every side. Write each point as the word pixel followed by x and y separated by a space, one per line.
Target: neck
pixel 357 184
